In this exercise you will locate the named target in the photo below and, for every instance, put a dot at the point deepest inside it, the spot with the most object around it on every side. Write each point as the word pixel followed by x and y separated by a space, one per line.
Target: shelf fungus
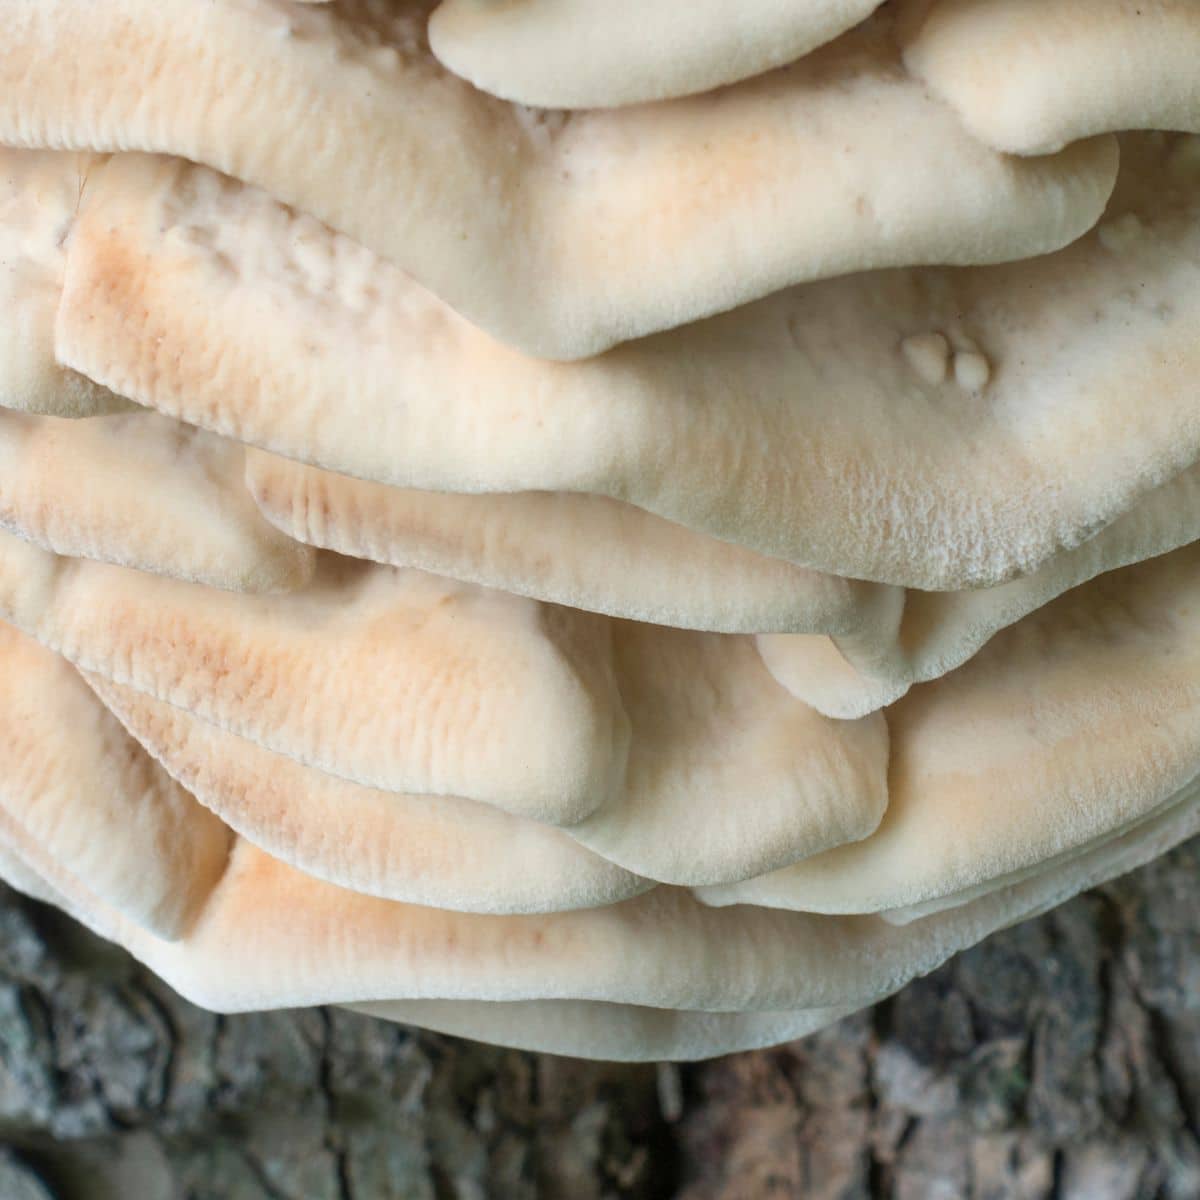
pixel 625 530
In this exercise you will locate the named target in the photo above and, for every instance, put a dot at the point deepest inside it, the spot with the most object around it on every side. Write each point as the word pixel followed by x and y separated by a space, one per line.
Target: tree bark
pixel 1059 1060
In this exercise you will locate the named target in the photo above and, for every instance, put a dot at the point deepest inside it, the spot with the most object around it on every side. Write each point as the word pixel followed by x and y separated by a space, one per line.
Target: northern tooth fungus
pixel 627 529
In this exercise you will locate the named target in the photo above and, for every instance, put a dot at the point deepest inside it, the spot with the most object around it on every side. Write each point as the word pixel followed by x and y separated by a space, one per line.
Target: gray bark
pixel 1059 1060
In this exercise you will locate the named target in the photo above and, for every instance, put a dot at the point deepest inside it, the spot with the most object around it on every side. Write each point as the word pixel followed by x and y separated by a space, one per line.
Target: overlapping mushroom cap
pixel 641 579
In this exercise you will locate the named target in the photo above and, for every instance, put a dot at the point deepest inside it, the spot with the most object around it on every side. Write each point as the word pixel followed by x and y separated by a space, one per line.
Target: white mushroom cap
pixel 755 427
pixel 850 674
pixel 866 668
pixel 432 850
pixel 574 548
pixel 559 236
pixel 651 749
pixel 619 1031
pixel 1080 720
pixel 74 783
pixel 270 935
pixel 352 674
pixel 598 53
pixel 598 554
pixel 144 491
pixel 726 770
pixel 1143 615
pixel 813 671
pixel 40 195
pixel 1030 76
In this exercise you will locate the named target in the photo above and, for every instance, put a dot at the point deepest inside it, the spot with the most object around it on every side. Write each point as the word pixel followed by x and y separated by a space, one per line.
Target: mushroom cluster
pixel 623 527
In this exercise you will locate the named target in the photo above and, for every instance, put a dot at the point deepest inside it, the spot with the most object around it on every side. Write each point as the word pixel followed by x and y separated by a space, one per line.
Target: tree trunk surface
pixel 1060 1059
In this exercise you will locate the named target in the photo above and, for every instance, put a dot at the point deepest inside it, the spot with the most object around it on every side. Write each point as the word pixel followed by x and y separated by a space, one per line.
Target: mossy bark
pixel 1061 1059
